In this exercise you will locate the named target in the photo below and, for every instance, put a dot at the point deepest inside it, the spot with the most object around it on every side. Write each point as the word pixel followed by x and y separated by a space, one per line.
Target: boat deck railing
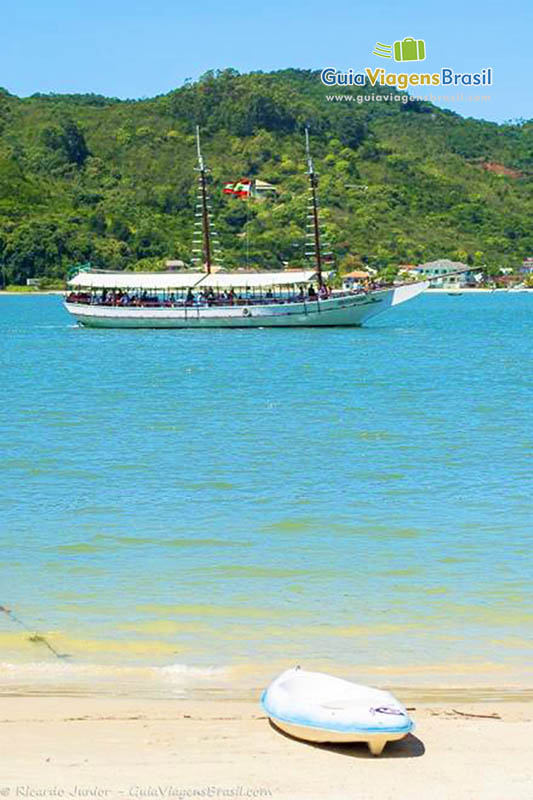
pixel 124 301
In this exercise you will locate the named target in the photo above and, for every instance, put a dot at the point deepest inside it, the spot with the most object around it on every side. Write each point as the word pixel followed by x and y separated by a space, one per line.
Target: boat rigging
pixel 204 242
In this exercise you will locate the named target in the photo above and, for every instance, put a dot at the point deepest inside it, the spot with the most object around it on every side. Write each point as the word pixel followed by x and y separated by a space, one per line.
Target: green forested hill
pixel 83 177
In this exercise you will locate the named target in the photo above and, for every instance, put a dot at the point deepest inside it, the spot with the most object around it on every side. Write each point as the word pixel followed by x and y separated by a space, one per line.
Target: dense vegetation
pixel 84 177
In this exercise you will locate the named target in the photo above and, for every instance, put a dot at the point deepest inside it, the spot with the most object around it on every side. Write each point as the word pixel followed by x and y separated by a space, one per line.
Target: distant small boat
pixel 455 294
pixel 318 707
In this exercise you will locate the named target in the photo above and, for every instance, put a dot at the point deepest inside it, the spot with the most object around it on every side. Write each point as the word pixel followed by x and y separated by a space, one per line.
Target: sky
pixel 133 49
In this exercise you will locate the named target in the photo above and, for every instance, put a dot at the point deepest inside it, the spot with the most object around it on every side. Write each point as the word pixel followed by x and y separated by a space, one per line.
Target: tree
pixel 352 131
pixel 74 142
pixel 67 141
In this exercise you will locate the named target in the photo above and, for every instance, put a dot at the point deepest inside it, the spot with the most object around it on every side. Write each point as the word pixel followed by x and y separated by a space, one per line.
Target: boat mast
pixel 202 182
pixel 313 183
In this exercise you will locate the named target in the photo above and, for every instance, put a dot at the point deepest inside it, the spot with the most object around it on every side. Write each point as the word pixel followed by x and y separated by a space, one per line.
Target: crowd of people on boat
pixel 205 297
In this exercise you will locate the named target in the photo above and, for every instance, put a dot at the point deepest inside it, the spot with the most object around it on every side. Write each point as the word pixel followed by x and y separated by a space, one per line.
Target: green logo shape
pixel 410 49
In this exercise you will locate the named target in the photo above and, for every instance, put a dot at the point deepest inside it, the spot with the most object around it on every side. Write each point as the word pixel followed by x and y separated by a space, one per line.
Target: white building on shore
pixel 437 271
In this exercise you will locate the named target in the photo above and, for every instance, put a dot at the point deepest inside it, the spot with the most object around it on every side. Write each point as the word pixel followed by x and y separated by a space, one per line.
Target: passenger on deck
pixel 323 292
pixel 301 294
pixel 311 292
pixel 189 300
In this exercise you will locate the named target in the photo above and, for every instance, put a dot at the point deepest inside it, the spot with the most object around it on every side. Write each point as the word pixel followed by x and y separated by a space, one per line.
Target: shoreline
pixel 417 694
pixel 244 681
pixel 60 746
pixel 37 293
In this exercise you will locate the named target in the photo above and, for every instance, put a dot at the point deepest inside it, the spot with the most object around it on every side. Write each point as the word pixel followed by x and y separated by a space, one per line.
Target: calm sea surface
pixel 216 498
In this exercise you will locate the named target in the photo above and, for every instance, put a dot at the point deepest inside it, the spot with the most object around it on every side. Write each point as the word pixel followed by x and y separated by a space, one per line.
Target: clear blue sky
pixel 140 49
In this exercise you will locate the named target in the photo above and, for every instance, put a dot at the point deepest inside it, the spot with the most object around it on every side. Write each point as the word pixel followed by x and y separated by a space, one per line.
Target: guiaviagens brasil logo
pixel 407 49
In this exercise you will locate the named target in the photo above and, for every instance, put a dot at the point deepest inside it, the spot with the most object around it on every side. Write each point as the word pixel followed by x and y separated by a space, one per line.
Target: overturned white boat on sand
pixel 318 707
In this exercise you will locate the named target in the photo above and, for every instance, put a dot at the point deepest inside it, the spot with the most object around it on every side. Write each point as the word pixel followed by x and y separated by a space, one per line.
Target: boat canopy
pixel 161 281
pixel 258 280
pixel 93 279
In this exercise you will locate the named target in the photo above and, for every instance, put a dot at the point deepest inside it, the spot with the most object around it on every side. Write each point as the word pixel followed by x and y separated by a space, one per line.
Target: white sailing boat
pixel 218 299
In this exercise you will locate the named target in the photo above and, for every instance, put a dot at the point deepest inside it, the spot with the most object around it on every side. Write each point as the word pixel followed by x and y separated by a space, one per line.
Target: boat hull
pixel 347 310
pixel 375 742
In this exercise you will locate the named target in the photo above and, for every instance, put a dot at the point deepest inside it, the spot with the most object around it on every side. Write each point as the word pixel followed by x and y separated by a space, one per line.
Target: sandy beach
pixel 61 746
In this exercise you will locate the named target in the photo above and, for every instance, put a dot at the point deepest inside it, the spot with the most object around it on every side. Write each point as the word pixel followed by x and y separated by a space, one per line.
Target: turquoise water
pixel 213 498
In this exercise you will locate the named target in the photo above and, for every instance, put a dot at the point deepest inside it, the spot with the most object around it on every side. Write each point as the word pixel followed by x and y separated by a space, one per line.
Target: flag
pixel 240 188
pixel 243 187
